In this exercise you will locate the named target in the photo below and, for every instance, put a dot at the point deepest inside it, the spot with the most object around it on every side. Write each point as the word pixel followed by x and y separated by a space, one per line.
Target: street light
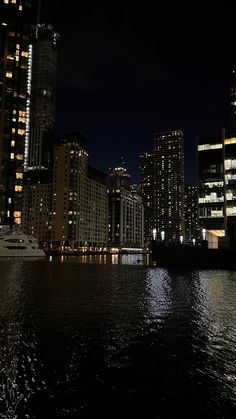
pixel 154 234
pixel 203 234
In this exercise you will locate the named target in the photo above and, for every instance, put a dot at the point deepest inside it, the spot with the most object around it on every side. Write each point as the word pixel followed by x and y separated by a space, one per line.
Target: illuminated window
pixel 214 184
pixel 212 197
pixel 18 188
pixel 6 1
pixel 19 157
pixel 22 113
pixel 17 214
pixel 230 140
pixel 230 164
pixel 21 131
pixel 13 143
pixel 203 147
pixel 231 211
pixel 17 220
pixel 19 175
pixel 9 74
pixel 13 1
pixel 12 156
pixel 217 213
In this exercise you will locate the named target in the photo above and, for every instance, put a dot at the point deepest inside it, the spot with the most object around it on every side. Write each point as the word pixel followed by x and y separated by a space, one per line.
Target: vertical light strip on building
pixel 27 130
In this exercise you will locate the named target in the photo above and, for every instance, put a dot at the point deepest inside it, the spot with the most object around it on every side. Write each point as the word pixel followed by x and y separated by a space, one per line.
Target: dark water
pixel 116 340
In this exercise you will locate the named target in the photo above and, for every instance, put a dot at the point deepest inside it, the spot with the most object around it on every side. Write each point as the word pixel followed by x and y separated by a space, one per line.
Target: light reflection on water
pixel 76 334
pixel 114 259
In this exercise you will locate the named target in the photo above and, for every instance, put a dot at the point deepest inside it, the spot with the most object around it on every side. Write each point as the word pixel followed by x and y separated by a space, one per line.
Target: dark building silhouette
pixel 37 204
pixel 16 22
pixel 146 175
pixel 162 186
pixel 43 92
pixel 233 99
pixel 191 212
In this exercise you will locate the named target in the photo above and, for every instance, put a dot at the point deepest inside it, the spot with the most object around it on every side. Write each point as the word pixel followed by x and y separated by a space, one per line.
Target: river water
pixel 89 337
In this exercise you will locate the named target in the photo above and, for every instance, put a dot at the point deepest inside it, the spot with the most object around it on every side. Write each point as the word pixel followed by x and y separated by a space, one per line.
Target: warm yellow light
pixel 19 175
pixel 230 140
pixel 218 233
pixel 18 188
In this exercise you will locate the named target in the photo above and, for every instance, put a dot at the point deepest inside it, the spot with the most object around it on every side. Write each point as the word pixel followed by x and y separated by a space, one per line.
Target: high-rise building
pixel 37 205
pixel 191 212
pixel 162 186
pixel 217 187
pixel 43 92
pixel 126 224
pixel 233 99
pixel 146 175
pixel 17 18
pixel 80 201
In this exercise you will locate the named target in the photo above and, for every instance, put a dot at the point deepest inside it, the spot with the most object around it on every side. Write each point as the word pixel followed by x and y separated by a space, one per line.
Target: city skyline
pixel 125 74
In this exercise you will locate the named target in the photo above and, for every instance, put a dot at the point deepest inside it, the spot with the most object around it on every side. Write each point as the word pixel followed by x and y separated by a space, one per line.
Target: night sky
pixel 128 71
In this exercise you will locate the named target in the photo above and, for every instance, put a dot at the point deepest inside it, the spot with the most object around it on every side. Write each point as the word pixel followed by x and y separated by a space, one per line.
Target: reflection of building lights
pixel 203 234
pixel 194 242
pixel 154 234
pixel 181 239
pixel 162 235
pixel 27 128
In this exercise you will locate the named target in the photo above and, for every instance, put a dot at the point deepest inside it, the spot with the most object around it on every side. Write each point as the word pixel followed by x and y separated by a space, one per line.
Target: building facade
pixel 17 19
pixel 191 212
pixel 233 99
pixel 37 205
pixel 43 93
pixel 80 202
pixel 96 210
pixel 217 186
pixel 162 186
pixel 146 176
pixel 126 213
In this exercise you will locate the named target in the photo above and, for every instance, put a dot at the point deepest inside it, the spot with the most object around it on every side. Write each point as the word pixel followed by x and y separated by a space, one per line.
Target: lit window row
pixel 230 140
pixel 231 211
pixel 203 147
pixel 214 184
pixel 230 164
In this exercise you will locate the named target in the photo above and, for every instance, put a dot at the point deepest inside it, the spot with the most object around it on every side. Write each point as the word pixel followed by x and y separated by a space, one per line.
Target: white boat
pixel 14 243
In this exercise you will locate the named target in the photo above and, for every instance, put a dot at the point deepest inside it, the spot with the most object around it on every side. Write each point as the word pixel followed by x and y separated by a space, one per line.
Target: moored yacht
pixel 14 243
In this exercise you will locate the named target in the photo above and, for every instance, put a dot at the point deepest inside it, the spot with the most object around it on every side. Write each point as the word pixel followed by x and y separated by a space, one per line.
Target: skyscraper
pixel 191 212
pixel 80 201
pixel 146 174
pixel 162 185
pixel 43 92
pixel 125 212
pixel 233 99
pixel 15 84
